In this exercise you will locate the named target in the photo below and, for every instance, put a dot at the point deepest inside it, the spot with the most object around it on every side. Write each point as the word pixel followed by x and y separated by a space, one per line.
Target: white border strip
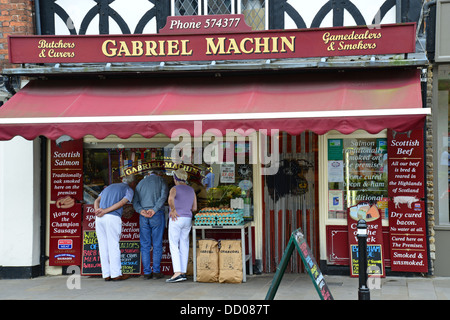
pixel 223 116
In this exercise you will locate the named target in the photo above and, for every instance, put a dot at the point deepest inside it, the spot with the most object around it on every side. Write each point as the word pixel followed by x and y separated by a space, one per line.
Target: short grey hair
pixel 129 179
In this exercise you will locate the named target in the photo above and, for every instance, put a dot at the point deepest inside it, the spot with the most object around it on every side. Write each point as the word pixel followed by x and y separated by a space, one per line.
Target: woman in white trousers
pixel 182 202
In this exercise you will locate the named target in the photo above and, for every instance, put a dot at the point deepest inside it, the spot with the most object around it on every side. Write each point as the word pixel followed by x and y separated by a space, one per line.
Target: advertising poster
pixel 66 165
pixel 407 231
pixel 66 185
pixel 407 216
pixel 375 260
pixel 227 172
pixel 65 235
pixel 406 164
pixel 335 200
pixel 129 245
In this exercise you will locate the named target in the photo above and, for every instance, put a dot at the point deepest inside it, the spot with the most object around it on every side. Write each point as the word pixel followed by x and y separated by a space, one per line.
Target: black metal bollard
pixel 363 290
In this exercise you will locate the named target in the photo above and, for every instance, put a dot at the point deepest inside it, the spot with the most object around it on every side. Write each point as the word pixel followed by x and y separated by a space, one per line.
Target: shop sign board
pixel 406 165
pixel 407 224
pixel 66 172
pixel 129 245
pixel 210 46
pixel 375 258
pixel 206 24
pixel 407 231
pixel 194 172
pixel 65 235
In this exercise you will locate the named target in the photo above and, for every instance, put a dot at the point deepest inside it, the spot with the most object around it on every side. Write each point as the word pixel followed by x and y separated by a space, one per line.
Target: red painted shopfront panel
pixel 338 246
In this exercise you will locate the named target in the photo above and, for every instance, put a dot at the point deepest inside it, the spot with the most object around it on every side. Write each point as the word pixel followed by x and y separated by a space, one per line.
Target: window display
pixel 357 171
pixel 217 185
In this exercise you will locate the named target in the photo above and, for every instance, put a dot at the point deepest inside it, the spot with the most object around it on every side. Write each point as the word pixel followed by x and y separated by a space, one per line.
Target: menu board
pixel 65 235
pixel 66 166
pixel 298 241
pixel 312 266
pixel 375 260
pixel 407 224
pixel 129 245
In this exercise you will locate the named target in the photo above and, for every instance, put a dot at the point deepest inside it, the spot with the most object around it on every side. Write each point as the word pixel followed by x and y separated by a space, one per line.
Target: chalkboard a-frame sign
pixel 298 241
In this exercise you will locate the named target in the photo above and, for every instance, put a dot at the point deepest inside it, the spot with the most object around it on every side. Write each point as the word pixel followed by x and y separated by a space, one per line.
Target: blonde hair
pixel 181 174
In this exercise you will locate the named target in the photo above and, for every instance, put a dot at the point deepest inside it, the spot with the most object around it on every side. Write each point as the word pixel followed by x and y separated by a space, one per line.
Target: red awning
pixel 319 102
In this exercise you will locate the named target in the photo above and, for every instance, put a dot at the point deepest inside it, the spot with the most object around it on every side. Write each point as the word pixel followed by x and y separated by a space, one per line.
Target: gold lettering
pixel 265 45
pixel 274 44
pixel 109 52
pixel 55 54
pixel 55 44
pixel 233 46
pixel 326 37
pixel 212 48
pixel 290 44
pixel 172 48
pixel 150 48
pixel 242 45
pixel 367 35
pixel 162 51
pixel 123 49
pixel 184 51
pixel 168 164
pixel 137 48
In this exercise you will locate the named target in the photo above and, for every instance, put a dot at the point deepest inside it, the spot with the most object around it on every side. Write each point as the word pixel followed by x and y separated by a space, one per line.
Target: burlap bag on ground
pixel 190 265
pixel 208 261
pixel 230 261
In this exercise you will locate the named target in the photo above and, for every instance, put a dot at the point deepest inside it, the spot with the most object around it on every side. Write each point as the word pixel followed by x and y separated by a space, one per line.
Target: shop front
pixel 290 147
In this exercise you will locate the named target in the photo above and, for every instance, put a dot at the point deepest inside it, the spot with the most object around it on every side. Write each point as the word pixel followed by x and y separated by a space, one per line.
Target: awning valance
pixel 319 102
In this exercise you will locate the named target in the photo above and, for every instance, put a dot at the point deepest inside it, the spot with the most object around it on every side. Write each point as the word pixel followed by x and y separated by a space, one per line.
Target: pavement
pixel 292 287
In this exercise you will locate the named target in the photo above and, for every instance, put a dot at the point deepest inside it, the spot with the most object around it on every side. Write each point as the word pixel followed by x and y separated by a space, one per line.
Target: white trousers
pixel 109 228
pixel 179 243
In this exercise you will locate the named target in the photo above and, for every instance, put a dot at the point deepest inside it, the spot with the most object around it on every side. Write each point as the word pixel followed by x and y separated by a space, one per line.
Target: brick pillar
pixel 430 172
pixel 16 17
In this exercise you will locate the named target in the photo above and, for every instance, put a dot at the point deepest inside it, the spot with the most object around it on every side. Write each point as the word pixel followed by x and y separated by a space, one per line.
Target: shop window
pixel 254 11
pixel 442 123
pixel 104 166
pixel 233 178
pixel 356 171
pixel 186 7
pixel 230 162
pixel 218 7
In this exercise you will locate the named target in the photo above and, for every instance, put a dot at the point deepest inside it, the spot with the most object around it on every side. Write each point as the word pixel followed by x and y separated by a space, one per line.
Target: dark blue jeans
pixel 151 234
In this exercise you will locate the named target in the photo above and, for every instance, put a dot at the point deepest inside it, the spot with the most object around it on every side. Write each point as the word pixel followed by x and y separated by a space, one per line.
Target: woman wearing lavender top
pixel 182 202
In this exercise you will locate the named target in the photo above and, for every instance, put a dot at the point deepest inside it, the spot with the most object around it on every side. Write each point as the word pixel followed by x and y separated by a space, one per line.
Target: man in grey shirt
pixel 149 198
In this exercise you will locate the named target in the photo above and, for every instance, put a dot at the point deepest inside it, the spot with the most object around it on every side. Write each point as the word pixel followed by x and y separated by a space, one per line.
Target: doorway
pixel 290 200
